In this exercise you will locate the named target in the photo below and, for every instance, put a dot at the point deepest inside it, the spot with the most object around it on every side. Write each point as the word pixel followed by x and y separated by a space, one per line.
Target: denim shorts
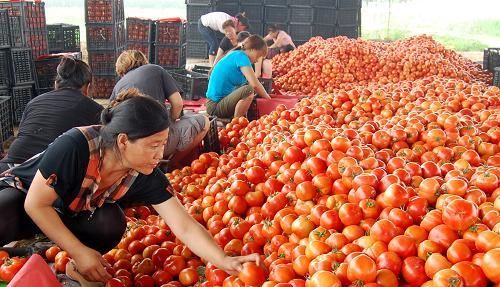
pixel 210 36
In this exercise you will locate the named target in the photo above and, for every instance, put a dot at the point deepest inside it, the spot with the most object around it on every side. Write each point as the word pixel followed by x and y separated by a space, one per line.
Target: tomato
pixel 188 276
pixel 443 235
pixel 174 264
pixel 472 274
pixel 10 267
pixel 386 278
pixel 491 265
pixel 384 230
pixel 144 281
pixel 435 263
pixel 460 214
pixel 448 277
pixel 362 268
pixel 114 282
pixel 50 253
pixel 389 260
pixel 252 274
pixel 413 271
pixel 324 279
pixel 404 246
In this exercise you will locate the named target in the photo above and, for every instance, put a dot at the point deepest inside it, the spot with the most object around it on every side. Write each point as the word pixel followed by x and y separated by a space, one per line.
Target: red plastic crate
pixel 104 11
pixel 102 86
pixel 139 30
pixel 105 36
pixel 170 57
pixel 265 106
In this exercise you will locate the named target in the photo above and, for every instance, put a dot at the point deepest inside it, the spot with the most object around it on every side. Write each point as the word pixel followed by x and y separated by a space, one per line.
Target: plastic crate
pixel 4 29
pixel 259 2
pixel 325 31
pixel 348 31
pixel 194 12
pixel 276 14
pixel 491 59
pixel 325 16
pixel 211 140
pixel 193 85
pixel 348 4
pixel 300 32
pixel 276 2
pixel 170 56
pixel 267 83
pixel 301 14
pixel 192 33
pixel 229 8
pixel 104 11
pixel 300 2
pixel 496 77
pixel 16 32
pixel 139 30
pixel 257 28
pixel 201 69
pixel 324 3
pixel 203 2
pixel 254 12
pixel 4 69
pixel 46 72
pixel 197 49
pixel 63 38
pixel 348 17
pixel 102 86
pixel 170 33
pixel 145 48
pixel 102 62
pixel 6 123
pixel 22 66
pixel 105 36
pixel 21 95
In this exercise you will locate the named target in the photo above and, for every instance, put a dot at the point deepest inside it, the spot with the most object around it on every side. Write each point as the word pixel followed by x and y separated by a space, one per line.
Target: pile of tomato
pixel 325 64
pixel 393 182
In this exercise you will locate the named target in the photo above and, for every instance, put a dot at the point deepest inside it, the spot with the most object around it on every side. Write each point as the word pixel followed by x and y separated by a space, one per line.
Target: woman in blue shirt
pixel 233 83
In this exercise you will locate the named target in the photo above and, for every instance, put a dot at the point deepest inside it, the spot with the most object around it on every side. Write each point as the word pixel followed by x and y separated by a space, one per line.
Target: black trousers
pixel 102 231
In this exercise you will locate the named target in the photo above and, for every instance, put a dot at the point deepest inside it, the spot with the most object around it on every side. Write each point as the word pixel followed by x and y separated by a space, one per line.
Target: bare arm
pixel 38 205
pixel 254 82
pixel 197 238
pixel 258 68
pixel 176 103
pixel 220 54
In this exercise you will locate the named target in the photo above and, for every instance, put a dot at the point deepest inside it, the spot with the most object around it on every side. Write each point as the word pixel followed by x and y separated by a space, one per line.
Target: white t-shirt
pixel 214 20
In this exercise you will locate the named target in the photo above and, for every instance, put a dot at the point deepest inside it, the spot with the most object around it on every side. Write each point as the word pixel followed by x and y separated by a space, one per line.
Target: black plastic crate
pixel 257 28
pixel 201 69
pixel 6 123
pixel 276 2
pixel 260 2
pixel 301 14
pixel 325 16
pixel 16 32
pixel 22 66
pixel 102 62
pixel 211 140
pixel 170 33
pixel 21 95
pixel 276 14
pixel 102 86
pixel 4 69
pixel 4 29
pixel 229 8
pixel 193 85
pixel 348 17
pixel 300 32
pixel 139 30
pixel 348 4
pixel 300 2
pixel 325 3
pixel 104 11
pixel 105 36
pixel 325 31
pixel 171 56
pixel 63 38
pixel 496 77
pixel 267 84
pixel 254 12
pixel 46 72
pixel 491 59
pixel 145 47
pixel 192 33
pixel 197 49
pixel 348 31
pixel 194 12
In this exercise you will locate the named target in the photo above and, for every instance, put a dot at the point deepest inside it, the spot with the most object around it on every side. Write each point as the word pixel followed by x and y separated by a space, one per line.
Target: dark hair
pixel 228 23
pixel 254 42
pixel 274 28
pixel 72 73
pixel 134 114
pixel 242 36
pixel 242 19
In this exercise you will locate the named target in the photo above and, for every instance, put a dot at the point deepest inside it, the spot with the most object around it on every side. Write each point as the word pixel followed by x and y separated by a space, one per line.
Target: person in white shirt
pixel 213 24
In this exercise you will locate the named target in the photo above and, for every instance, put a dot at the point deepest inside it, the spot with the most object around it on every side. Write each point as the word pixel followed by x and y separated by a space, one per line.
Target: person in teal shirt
pixel 233 84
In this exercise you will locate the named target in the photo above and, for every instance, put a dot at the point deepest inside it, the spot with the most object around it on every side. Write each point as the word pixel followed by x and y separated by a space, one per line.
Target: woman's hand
pixel 90 264
pixel 234 265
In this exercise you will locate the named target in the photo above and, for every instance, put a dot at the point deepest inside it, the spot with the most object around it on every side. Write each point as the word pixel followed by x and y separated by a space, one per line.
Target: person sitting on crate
pixel 74 191
pixel 233 83
pixel 186 132
pixel 228 44
pixel 212 25
pixel 49 115
pixel 279 42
